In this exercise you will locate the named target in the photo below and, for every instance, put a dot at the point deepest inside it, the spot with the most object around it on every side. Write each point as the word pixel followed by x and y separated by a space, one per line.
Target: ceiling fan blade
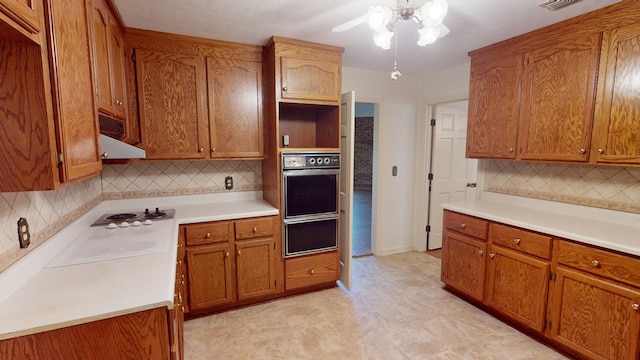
pixel 351 23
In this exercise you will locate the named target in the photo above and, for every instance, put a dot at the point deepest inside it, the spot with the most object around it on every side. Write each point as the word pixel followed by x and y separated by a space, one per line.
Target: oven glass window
pixel 311 236
pixel 311 194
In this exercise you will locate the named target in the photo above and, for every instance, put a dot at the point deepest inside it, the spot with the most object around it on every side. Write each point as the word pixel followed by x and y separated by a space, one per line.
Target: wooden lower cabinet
pixel 517 286
pixel 141 335
pixel 312 270
pixel 464 263
pixel 231 261
pixel 595 317
pixel 577 298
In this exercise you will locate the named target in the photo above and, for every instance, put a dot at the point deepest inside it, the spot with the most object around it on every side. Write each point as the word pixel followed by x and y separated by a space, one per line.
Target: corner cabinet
pixel 577 298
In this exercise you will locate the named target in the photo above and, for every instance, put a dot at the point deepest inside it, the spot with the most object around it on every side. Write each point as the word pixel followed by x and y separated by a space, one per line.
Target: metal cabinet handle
pixel 208 235
pixel 239 252
pixel 213 149
pixel 179 262
pixel 255 229
pixel 480 252
pixel 595 263
pixel 104 155
pixel 201 150
pixel 226 254
pixel 583 151
pixel 311 271
pixel 510 150
pixel 517 241
pixel 600 151
pixel 463 225
pixel 284 88
pixel 635 307
pixel 492 255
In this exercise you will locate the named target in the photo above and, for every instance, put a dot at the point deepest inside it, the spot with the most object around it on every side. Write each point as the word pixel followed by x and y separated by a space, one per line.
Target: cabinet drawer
pixel 311 270
pixel 466 224
pixel 609 265
pixel 526 241
pixel 254 228
pixel 209 233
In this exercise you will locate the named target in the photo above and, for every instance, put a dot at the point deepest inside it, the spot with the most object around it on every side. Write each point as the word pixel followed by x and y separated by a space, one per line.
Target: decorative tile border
pixel 614 188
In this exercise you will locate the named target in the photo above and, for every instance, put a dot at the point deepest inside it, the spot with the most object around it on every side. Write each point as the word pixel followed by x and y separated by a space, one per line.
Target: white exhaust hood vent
pixel 116 149
pixel 557 4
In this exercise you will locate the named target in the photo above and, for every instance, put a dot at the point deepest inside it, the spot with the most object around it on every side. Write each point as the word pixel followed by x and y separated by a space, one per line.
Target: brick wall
pixel 363 157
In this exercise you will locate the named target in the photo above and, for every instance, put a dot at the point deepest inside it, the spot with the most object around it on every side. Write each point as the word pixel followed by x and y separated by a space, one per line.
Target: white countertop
pixel 605 231
pixel 37 298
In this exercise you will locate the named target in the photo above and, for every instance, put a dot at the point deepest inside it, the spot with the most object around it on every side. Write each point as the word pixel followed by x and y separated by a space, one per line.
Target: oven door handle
pixel 309 172
pixel 312 218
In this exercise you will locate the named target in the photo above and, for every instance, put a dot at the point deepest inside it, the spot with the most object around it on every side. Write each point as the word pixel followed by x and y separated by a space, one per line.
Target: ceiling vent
pixel 557 4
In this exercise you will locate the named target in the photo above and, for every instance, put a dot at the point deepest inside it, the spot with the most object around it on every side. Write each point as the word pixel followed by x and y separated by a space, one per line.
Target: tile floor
pixel 395 310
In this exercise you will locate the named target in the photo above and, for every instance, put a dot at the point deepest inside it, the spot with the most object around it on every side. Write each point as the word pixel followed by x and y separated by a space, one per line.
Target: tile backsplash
pixel 615 188
pixel 50 211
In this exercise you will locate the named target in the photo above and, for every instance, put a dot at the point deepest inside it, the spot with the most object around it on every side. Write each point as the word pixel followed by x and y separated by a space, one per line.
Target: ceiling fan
pixel 382 20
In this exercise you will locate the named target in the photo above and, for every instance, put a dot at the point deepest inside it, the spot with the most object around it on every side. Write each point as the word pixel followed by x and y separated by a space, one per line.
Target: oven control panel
pixel 292 161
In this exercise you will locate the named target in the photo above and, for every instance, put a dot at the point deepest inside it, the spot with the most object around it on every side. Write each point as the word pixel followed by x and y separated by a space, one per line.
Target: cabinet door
pixel 255 268
pixel 517 286
pixel 464 264
pixel 210 276
pixel 558 101
pixel 72 88
pixel 617 130
pixel 172 104
pixel 595 317
pixel 118 74
pixel 100 18
pixel 304 79
pixel 24 12
pixel 235 108
pixel 494 105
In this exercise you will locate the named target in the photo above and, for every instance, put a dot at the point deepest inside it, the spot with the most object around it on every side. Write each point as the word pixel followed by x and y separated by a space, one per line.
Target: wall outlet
pixel 228 182
pixel 24 236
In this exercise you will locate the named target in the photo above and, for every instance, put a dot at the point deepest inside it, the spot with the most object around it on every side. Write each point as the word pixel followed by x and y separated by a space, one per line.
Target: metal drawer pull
pixel 239 252
pixel 208 235
pixel 595 263
pixel 179 262
pixel 600 151
pixel 510 150
pixel 517 241
pixel 635 307
pixel 480 252
pixel 583 151
pixel 255 229
pixel 226 254
pixel 312 271
pixel 463 225
pixel 492 255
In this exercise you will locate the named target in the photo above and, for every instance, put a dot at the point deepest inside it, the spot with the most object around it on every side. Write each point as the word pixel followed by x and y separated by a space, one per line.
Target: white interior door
pixel 454 176
pixel 348 118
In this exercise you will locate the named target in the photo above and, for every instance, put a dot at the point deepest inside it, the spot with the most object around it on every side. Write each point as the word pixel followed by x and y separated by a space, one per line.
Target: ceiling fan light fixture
pixel 383 38
pixel 379 17
pixel 433 12
pixel 428 35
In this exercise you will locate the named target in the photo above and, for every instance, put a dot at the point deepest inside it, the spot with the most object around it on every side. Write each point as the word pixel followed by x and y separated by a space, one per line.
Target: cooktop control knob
pixel 136 223
pixel 124 224
pixel 112 226
pixel 312 161
pixel 147 222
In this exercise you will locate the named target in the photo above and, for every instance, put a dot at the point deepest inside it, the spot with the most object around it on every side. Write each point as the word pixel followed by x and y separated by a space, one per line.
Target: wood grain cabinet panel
pixel 310 270
pixel 255 264
pixel 210 273
pixel 594 317
pixel 24 12
pixel 494 106
pixel 310 79
pixel 172 94
pixel 209 233
pixel 72 82
pixel 558 100
pixel 517 286
pixel 235 108
pixel 616 136
pixel 525 241
pixel 465 224
pixel 464 263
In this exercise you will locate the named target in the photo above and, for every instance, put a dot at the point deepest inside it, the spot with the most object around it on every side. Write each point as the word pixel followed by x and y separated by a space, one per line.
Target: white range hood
pixel 116 149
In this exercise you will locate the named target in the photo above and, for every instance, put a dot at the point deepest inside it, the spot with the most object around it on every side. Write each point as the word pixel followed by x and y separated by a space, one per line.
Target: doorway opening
pixel 363 178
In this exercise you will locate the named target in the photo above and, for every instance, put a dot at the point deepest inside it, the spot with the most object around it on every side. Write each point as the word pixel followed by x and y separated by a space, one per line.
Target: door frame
pixel 422 166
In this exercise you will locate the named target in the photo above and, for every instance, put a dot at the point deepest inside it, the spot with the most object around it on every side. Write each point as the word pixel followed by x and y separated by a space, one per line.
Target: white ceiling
pixel 473 24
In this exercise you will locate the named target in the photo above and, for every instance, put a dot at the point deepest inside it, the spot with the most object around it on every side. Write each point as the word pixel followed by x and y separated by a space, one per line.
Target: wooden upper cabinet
pixel 24 12
pixel 236 125
pixel 72 82
pixel 617 124
pixel 109 62
pixel 558 100
pixel 172 95
pixel 307 79
pixel 494 106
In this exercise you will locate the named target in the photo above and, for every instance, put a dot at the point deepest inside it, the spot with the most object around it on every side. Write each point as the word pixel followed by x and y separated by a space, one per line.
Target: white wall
pixel 395 131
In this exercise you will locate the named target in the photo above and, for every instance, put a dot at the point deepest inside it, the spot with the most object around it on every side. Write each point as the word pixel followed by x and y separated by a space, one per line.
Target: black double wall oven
pixel 310 191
